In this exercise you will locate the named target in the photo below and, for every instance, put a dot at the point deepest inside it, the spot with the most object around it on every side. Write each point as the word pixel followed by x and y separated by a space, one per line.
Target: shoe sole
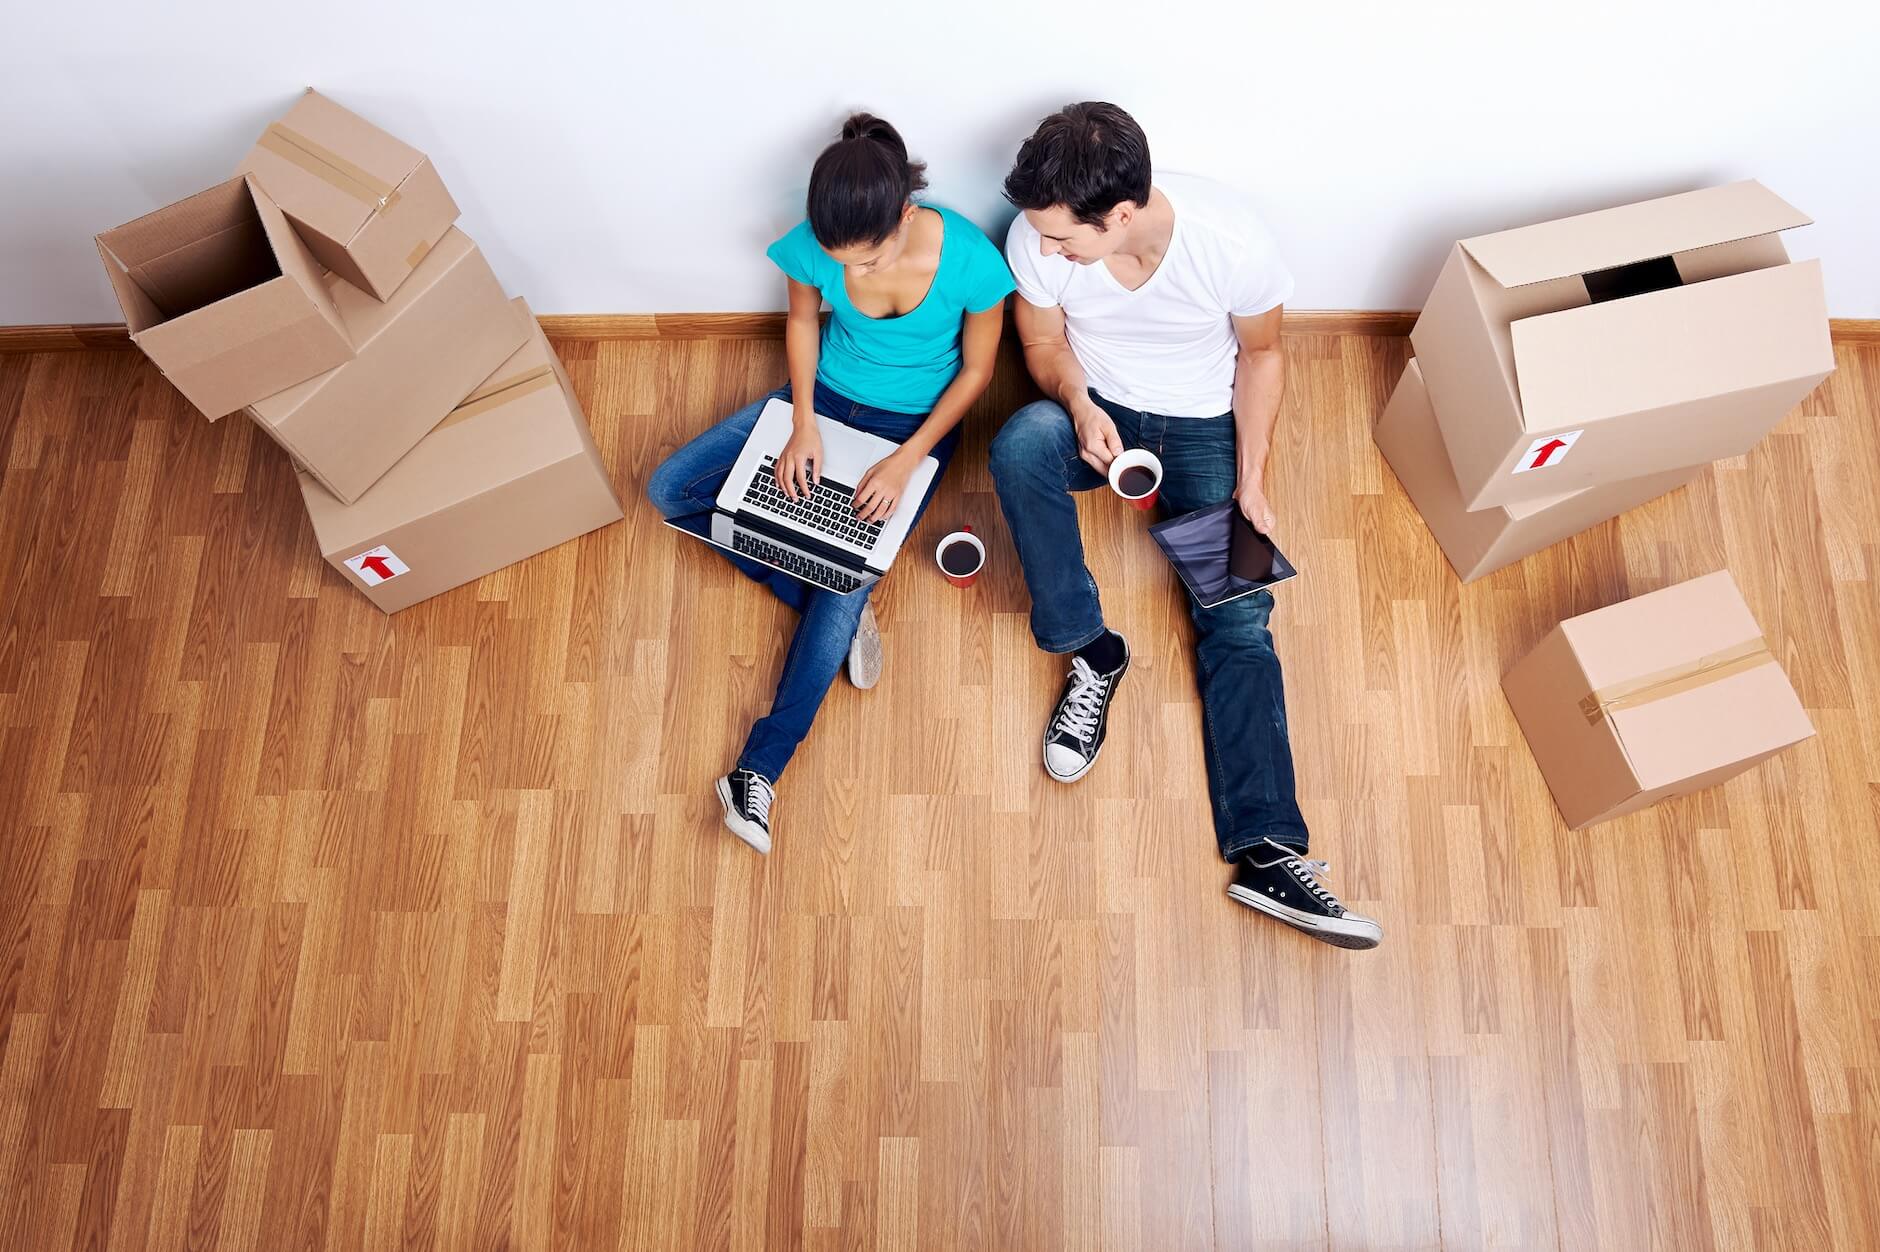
pixel 749 832
pixel 865 661
pixel 1325 931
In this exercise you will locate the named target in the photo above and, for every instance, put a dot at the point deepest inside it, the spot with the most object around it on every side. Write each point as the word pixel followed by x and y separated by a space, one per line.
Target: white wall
pixel 629 157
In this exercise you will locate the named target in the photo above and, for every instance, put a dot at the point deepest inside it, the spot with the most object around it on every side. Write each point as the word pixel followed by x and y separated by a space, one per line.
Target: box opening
pixel 196 252
pixel 213 268
pixel 1657 274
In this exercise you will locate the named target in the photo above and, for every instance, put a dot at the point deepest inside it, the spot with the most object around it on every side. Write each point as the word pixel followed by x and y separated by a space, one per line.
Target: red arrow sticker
pixel 1547 451
pixel 377 565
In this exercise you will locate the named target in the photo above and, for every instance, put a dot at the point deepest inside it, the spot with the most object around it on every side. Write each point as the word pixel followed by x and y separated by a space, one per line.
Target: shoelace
pixel 1309 873
pixel 757 796
pixel 1078 716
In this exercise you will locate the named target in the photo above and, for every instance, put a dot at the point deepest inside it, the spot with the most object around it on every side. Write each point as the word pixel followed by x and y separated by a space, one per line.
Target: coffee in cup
pixel 960 556
pixel 1137 477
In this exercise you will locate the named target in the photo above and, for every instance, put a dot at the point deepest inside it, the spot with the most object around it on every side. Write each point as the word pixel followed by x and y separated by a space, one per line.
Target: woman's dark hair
pixel 860 184
pixel 1088 157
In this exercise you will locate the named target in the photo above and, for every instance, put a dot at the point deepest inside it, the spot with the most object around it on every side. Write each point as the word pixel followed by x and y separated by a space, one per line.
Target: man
pixel 1150 312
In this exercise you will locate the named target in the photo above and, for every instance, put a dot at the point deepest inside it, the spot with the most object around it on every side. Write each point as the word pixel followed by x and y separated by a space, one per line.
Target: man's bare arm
pixel 1056 370
pixel 1259 382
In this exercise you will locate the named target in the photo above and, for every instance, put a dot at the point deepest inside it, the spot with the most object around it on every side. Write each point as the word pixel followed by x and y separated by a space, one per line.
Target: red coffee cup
pixel 1137 477
pixel 959 551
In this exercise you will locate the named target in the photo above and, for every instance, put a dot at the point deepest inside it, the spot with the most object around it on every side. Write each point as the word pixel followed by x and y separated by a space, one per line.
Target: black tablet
pixel 1219 555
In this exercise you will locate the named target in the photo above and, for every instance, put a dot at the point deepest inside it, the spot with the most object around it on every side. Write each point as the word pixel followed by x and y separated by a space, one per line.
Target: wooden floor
pixel 320 929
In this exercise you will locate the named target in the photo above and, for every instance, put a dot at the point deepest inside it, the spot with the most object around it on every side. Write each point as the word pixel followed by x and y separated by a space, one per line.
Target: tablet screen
pixel 1219 555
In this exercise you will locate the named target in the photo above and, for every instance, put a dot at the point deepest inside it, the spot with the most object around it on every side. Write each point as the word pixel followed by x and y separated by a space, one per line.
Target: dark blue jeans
pixel 1243 704
pixel 688 482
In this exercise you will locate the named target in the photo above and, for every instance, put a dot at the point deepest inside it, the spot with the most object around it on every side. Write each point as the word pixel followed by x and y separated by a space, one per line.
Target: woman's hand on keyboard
pixel 799 465
pixel 883 485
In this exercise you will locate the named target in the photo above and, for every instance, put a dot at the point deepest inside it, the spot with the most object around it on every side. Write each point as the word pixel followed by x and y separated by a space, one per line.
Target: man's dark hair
pixel 1088 157
pixel 860 184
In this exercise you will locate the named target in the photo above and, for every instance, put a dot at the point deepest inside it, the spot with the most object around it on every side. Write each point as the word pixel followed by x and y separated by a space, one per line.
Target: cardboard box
pixel 368 206
pixel 419 353
pixel 217 290
pixel 1657 696
pixel 511 472
pixel 1622 343
pixel 1484 541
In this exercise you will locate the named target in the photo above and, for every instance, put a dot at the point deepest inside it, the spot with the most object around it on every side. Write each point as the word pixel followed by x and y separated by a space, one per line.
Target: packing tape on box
pixel 536 379
pixel 1676 680
pixel 328 166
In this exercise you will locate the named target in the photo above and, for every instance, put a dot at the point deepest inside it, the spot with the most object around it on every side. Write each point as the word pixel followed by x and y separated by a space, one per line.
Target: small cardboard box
pixel 511 472
pixel 419 353
pixel 1621 343
pixel 220 293
pixel 368 206
pixel 1657 696
pixel 1484 541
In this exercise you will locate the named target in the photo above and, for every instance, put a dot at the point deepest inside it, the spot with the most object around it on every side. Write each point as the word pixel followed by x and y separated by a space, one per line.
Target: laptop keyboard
pixel 829 510
pixel 790 562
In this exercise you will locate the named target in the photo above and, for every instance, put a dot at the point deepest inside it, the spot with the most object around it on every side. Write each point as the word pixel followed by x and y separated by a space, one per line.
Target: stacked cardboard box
pixel 1569 371
pixel 326 291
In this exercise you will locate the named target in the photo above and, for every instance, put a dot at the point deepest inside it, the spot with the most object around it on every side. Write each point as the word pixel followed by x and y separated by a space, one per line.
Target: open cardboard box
pixel 1657 696
pixel 511 472
pixel 219 292
pixel 1480 542
pixel 369 206
pixel 419 353
pixel 1621 343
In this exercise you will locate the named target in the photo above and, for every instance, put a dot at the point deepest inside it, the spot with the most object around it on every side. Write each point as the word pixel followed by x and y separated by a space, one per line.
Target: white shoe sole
pixel 750 832
pixel 1337 931
pixel 865 653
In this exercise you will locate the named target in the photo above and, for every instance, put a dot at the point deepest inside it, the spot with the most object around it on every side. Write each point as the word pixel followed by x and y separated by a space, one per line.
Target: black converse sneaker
pixel 746 795
pixel 1274 879
pixel 1075 735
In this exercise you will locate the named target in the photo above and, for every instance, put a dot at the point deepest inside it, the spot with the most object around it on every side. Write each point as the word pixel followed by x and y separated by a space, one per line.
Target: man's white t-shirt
pixel 1168 346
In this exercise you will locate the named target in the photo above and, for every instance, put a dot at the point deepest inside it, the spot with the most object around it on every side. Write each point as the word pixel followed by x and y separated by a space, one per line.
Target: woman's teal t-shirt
pixel 901 364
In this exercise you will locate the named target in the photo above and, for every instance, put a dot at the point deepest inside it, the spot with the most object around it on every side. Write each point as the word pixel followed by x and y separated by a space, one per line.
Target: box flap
pixel 1745 714
pixel 224 328
pixel 1633 232
pixel 140 311
pixel 330 167
pixel 1669 347
pixel 1661 631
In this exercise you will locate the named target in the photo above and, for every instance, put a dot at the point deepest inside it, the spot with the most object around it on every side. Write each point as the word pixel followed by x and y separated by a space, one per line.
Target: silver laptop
pixel 817 539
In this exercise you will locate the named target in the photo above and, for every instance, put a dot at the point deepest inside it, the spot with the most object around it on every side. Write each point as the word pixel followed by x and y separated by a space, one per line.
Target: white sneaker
pixel 865 651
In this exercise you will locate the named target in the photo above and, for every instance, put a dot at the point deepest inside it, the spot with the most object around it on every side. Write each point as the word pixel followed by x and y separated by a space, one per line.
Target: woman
pixel 916 296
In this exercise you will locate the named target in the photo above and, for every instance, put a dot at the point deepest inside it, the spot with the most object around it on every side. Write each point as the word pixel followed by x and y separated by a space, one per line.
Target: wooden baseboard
pixel 106 335
pixel 67 337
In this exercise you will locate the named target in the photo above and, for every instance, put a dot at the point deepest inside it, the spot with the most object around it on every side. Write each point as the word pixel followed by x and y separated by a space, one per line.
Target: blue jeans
pixel 688 482
pixel 1035 467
